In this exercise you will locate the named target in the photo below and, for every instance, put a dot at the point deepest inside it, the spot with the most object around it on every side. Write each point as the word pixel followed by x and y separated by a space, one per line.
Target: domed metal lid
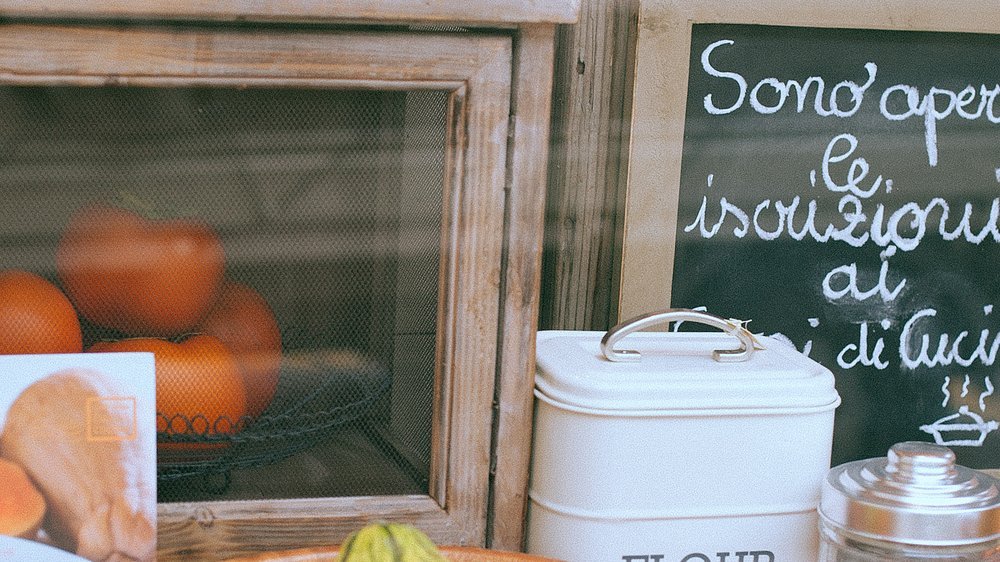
pixel 917 495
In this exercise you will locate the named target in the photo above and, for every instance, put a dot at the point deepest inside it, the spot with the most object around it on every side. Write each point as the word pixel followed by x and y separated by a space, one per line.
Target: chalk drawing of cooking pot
pixel 943 426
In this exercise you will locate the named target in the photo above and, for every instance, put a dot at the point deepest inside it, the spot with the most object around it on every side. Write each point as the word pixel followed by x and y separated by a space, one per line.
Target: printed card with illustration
pixel 78 457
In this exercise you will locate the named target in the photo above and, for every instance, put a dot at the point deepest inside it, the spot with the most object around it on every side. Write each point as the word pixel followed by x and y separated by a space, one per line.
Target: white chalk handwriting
pixel 897 102
pixel 857 217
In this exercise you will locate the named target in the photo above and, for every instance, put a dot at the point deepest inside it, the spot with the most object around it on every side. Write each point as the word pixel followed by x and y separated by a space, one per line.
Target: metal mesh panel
pixel 327 203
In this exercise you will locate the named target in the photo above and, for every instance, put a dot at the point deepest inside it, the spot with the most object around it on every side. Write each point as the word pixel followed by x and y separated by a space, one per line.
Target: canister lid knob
pixel 917 495
pixel 920 464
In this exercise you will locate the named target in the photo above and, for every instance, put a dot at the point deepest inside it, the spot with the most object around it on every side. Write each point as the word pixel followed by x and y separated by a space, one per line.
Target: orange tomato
pixel 35 316
pixel 197 382
pixel 139 276
pixel 242 319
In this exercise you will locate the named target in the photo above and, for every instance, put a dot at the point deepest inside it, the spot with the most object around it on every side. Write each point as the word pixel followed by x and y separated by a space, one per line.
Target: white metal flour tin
pixel 682 450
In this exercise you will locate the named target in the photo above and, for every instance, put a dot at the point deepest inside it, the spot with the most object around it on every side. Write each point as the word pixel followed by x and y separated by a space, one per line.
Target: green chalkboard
pixel 841 188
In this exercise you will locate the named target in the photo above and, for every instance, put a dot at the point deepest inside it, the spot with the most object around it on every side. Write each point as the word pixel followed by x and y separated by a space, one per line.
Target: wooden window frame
pixel 490 246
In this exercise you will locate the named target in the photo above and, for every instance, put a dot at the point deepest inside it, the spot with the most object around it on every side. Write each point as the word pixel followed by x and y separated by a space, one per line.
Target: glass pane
pixel 327 206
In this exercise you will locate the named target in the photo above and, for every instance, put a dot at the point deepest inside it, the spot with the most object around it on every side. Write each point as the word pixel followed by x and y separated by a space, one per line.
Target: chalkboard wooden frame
pixel 661 85
pixel 915 356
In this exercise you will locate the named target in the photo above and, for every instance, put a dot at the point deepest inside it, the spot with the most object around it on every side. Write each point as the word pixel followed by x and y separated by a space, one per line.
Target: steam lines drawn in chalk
pixel 978 424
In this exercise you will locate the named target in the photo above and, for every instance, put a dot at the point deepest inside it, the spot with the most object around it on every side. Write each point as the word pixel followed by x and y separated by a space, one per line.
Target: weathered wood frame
pixel 450 12
pixel 499 84
pixel 587 168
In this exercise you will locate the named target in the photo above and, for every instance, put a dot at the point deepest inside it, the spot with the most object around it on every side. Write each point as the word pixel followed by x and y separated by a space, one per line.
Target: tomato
pixel 35 316
pixel 197 382
pixel 242 319
pixel 139 276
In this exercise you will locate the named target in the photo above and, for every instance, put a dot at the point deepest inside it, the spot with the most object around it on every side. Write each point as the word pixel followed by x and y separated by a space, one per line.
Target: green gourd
pixel 389 542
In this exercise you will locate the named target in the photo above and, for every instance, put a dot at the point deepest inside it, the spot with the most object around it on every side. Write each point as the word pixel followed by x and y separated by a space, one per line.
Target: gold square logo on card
pixel 111 418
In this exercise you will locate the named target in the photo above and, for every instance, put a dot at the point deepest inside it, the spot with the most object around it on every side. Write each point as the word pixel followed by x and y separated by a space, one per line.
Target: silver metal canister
pixel 914 504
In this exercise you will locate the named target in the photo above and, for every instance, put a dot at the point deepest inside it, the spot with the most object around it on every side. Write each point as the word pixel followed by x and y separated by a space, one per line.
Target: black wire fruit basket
pixel 317 394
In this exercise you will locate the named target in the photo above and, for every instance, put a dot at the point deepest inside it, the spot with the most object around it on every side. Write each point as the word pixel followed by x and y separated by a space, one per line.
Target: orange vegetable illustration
pixel 100 504
pixel 22 506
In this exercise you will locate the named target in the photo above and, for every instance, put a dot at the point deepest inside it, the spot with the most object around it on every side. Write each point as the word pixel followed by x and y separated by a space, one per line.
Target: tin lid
pixel 678 371
pixel 916 495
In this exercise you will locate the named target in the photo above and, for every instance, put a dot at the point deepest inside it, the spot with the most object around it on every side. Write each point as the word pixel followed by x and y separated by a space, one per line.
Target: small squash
pixel 389 542
pixel 22 506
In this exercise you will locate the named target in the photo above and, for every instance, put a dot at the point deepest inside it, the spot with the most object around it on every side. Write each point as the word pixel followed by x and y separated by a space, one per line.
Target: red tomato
pixel 197 381
pixel 141 277
pixel 35 316
pixel 242 319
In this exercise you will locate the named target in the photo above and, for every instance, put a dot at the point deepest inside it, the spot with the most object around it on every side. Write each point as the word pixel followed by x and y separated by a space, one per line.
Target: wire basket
pixel 317 393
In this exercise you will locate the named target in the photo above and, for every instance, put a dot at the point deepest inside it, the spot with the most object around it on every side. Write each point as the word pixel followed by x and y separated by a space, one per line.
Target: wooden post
pixel 591 119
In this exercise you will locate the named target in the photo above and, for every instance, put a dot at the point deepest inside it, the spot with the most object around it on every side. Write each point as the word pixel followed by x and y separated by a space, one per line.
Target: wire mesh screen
pixel 294 235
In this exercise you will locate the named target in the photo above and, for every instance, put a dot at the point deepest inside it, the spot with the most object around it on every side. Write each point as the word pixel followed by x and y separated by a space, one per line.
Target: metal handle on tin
pixel 732 327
